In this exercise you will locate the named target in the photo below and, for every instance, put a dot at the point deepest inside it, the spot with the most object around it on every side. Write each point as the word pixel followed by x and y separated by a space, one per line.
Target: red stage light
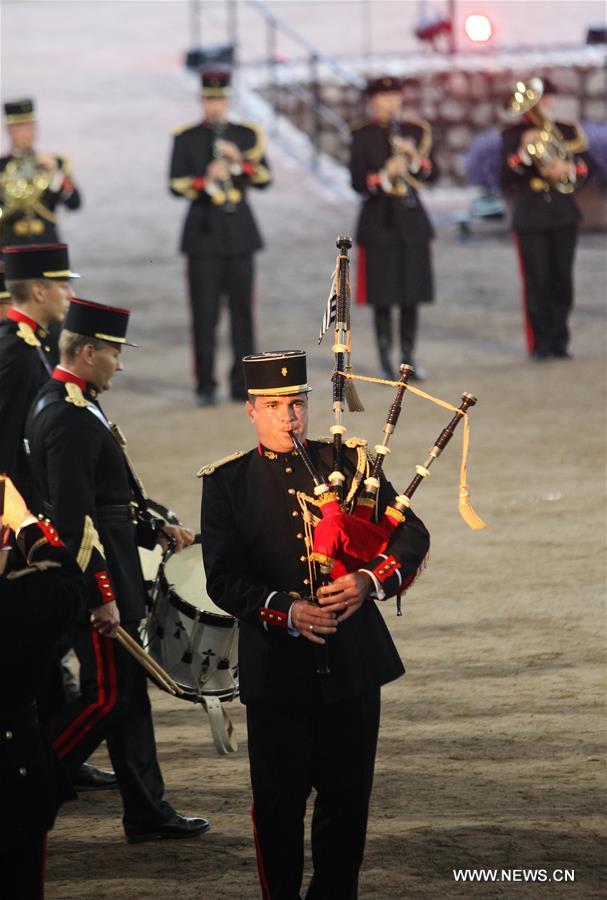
pixel 478 28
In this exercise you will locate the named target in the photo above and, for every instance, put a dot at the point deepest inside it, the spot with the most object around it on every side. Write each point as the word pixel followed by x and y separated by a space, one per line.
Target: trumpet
pixel 227 195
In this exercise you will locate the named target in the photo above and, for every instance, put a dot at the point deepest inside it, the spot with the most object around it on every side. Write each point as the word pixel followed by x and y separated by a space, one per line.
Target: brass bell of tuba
pixel 22 184
pixel 549 145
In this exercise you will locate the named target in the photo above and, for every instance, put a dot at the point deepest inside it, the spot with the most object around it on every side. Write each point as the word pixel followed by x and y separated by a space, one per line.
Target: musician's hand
pixel 16 514
pixel 183 537
pixel 396 167
pixel 46 161
pixel 346 594
pixel 229 150
pixel 106 619
pixel 217 170
pixel 557 170
pixel 312 620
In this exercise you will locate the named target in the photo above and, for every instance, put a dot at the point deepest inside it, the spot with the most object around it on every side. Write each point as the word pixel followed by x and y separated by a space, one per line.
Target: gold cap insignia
pixel 284 371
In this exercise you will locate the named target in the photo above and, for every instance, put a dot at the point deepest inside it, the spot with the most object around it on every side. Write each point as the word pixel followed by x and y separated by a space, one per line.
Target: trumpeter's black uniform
pixel 393 231
pixel 304 730
pixel 545 224
pixel 34 221
pixel 84 479
pixel 26 360
pixel 37 607
pixel 220 235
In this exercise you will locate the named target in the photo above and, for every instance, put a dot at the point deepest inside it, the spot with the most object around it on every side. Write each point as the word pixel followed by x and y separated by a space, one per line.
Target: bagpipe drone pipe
pixel 346 537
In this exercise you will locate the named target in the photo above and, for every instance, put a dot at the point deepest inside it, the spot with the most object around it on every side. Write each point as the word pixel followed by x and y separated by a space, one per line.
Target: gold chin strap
pixel 466 511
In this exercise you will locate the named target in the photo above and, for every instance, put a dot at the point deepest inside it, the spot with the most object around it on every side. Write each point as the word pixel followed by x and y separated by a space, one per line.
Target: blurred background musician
pixel 213 164
pixel 391 157
pixel 543 162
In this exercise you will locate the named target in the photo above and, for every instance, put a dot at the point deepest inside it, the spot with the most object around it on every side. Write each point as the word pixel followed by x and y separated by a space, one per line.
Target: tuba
pixel 22 184
pixel 549 144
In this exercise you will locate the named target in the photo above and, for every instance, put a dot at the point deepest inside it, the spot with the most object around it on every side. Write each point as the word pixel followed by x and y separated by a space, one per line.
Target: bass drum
pixel 194 640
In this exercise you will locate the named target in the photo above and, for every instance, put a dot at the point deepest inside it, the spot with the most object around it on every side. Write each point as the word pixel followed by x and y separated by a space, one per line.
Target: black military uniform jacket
pixel 37 225
pixel 38 606
pixel 538 205
pixel 24 367
pixel 209 230
pixel 388 217
pixel 254 549
pixel 82 475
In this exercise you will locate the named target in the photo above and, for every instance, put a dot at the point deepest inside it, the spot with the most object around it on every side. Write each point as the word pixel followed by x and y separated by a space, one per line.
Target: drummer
pixel 89 491
pixel 305 730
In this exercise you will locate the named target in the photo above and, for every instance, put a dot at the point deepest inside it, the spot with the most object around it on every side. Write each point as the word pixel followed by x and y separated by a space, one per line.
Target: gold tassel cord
pixel 466 511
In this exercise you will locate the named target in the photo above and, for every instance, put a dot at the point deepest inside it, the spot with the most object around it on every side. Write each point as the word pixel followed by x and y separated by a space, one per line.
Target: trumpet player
pixel 390 159
pixel 32 185
pixel 213 164
pixel 543 162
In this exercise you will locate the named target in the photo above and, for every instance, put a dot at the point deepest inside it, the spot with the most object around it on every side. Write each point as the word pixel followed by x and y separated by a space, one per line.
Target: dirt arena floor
pixel 492 746
pixel 491 751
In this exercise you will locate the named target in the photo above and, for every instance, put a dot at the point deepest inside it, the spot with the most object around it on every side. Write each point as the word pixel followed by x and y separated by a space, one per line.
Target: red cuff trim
pixel 105 588
pixel 273 617
pixel 386 568
pixel 373 179
pixel 67 186
pixel 581 168
pixel 514 160
pixel 199 183
pixel 426 164
pixel 247 167
pixel 50 533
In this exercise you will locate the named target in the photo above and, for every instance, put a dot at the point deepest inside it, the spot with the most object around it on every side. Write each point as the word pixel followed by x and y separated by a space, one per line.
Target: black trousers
pixel 547 259
pixel 23 860
pixel 292 750
pixel 407 333
pixel 114 705
pixel 209 280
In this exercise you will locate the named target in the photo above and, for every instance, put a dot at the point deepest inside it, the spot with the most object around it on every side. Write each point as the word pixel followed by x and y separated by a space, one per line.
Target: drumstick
pixel 153 668
pixel 146 660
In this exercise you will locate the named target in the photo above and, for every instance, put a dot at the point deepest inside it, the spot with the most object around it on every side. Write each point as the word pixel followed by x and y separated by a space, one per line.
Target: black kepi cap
pixel 276 373
pixel 216 83
pixel 105 323
pixel 29 261
pixel 388 84
pixel 17 111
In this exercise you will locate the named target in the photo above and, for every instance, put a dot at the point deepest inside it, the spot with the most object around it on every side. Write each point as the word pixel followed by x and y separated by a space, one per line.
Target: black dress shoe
pixel 89 778
pixel 175 827
pixel 205 398
pixel 418 374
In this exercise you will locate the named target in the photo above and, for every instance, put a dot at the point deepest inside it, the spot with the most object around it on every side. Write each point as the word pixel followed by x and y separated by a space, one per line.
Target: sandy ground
pixel 491 751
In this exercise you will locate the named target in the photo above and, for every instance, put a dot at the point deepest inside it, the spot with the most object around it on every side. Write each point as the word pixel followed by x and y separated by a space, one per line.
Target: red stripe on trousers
pixel 263 878
pixel 98 708
pixel 529 336
pixel 361 276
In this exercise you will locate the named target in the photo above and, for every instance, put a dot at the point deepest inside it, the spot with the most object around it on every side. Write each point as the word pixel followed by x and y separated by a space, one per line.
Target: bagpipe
pixel 349 534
